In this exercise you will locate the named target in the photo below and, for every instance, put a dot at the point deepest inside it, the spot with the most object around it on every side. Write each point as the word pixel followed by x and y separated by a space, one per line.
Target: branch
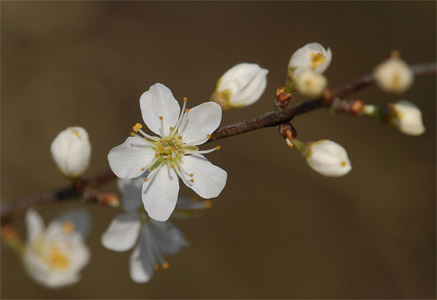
pixel 79 188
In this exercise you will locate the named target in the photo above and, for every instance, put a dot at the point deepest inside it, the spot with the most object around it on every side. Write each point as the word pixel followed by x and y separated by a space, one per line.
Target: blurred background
pixel 278 230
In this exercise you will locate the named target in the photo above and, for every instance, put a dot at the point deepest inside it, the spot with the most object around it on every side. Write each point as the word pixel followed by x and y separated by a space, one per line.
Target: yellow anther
pixel 145 179
pixel 172 149
pixel 208 136
pixel 180 137
pixel 187 110
pixel 142 169
pixel 161 141
pixel 161 117
pixel 185 99
pixel 138 125
pixel 161 149
pixel 68 227
pixel 343 163
pixel 191 175
pixel 317 58
pixel 57 259
pixel 156 155
pixel 165 265
pixel 192 180
pixel 172 166
pixel 156 267
pixel 132 133
pixel 208 203
pixel 218 147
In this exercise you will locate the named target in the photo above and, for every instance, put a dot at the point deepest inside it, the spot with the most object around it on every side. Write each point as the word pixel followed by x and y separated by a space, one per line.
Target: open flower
pixel 71 151
pixel 55 256
pixel 151 239
pixel 325 157
pixel 174 153
pixel 241 85
pixel 312 56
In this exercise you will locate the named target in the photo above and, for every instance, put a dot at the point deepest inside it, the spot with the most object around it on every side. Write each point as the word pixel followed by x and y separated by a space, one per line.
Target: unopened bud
pixel 71 151
pixel 406 117
pixel 240 86
pixel 393 75
pixel 312 56
pixel 311 84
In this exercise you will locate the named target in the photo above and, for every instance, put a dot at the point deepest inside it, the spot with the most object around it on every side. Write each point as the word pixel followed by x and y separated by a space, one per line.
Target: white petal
pixel 81 219
pixel 252 91
pixel 202 120
pixel 128 159
pixel 157 102
pixel 168 237
pixel 141 261
pixel 131 190
pixel 34 224
pixel 160 194
pixel 122 233
pixel 209 180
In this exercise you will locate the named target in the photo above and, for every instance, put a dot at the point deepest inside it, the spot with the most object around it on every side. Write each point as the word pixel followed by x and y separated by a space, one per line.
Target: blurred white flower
pixel 54 257
pixel 325 157
pixel 393 75
pixel 174 153
pixel 152 239
pixel 311 84
pixel 71 151
pixel 406 117
pixel 241 85
pixel 312 56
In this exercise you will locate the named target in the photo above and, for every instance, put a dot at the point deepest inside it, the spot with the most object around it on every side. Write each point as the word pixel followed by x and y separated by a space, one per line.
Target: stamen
pixel 205 151
pixel 208 136
pixel 191 174
pixel 145 179
pixel 185 99
pixel 192 180
pixel 139 125
pixel 165 265
pixel 153 138
pixel 132 133
pixel 68 227
pixel 135 128
pixel 218 147
pixel 142 169
pixel 156 267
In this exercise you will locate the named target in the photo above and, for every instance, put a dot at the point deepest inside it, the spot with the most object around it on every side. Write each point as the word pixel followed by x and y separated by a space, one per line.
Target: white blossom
pixel 150 239
pixel 393 75
pixel 312 56
pixel 55 256
pixel 311 84
pixel 71 151
pixel 174 153
pixel 406 117
pixel 241 85
pixel 325 157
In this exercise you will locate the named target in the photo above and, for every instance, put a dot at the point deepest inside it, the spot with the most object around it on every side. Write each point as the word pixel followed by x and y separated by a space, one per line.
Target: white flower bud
pixel 71 151
pixel 406 117
pixel 393 75
pixel 325 157
pixel 312 56
pixel 240 86
pixel 311 84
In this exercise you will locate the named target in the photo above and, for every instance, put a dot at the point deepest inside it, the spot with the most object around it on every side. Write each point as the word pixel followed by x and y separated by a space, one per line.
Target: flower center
pixel 317 59
pixel 56 258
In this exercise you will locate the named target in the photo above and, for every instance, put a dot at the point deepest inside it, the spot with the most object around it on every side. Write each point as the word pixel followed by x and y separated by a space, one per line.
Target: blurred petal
pixel 131 190
pixel 202 120
pixel 122 232
pixel 34 224
pixel 209 180
pixel 141 261
pixel 157 102
pixel 169 239
pixel 128 159
pixel 81 219
pixel 160 194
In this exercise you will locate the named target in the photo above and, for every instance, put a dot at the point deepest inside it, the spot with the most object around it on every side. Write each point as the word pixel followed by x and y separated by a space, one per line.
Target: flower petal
pixel 128 159
pixel 209 180
pixel 157 102
pixel 160 194
pixel 34 224
pixel 141 261
pixel 131 190
pixel 202 120
pixel 169 239
pixel 122 232
pixel 81 219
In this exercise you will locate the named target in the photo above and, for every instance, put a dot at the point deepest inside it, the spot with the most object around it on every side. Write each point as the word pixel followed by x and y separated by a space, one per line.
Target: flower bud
pixel 71 151
pixel 240 86
pixel 312 56
pixel 325 157
pixel 406 117
pixel 393 75
pixel 311 84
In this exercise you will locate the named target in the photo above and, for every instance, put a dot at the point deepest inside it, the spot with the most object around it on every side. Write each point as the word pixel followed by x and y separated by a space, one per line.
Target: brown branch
pixel 273 118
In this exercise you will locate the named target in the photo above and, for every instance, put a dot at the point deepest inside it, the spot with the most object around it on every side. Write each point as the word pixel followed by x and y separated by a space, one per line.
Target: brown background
pixel 278 230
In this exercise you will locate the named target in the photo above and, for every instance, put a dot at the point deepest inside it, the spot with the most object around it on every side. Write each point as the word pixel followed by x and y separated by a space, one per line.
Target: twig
pixel 270 119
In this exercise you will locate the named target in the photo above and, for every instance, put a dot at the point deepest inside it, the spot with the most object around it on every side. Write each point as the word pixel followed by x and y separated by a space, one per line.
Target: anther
pixel 161 118
pixel 185 99
pixel 208 203
pixel 172 166
pixel 208 136
pixel 156 267
pixel 145 179
pixel 218 147
pixel 135 128
pixel 191 175
pixel 180 137
pixel 138 125
pixel 132 133
pixel 142 169
pixel 187 110
pixel 165 265
pixel 156 155
pixel 192 180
